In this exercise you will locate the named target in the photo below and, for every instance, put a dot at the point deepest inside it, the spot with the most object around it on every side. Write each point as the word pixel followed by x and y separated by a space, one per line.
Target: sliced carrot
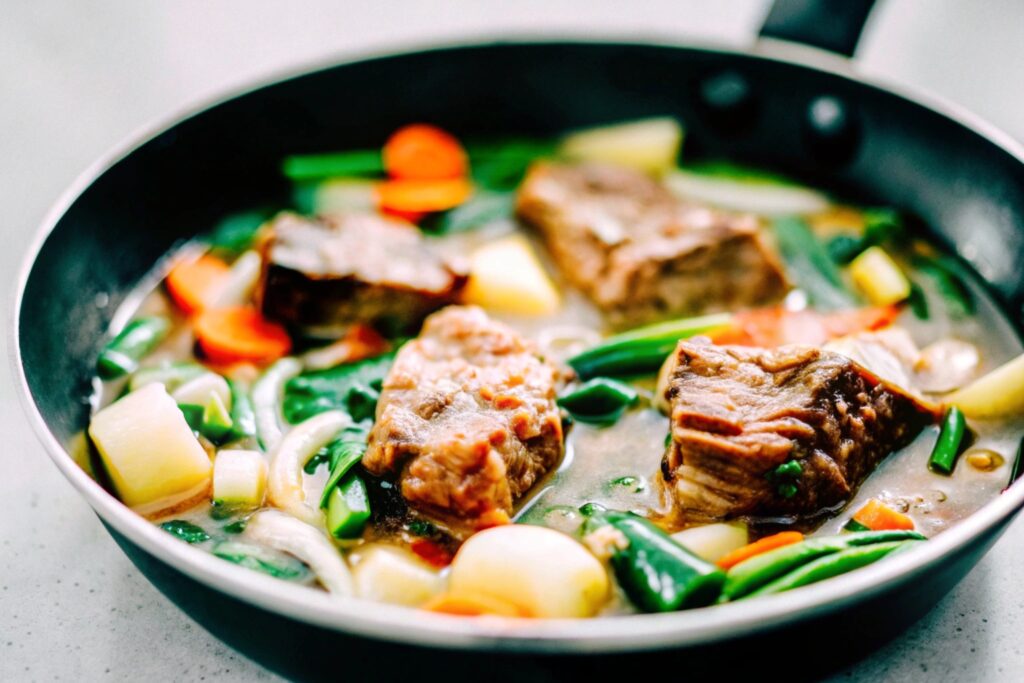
pixel 472 605
pixel 360 341
pixel 413 217
pixel 240 334
pixel 190 283
pixel 422 196
pixel 770 327
pixel 424 152
pixel 431 553
pixel 878 517
pixel 763 545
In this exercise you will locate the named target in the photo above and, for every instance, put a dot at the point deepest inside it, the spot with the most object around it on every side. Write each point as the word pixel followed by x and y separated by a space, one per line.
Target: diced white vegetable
pixel 197 391
pixel 756 196
pixel 541 571
pixel 266 400
pixel 386 573
pixel 877 275
pixel 650 145
pixel 889 353
pixel 506 276
pixel 239 478
pixel 289 535
pixel 153 459
pixel 999 393
pixel 237 287
pixel 344 194
pixel 713 541
pixel 284 483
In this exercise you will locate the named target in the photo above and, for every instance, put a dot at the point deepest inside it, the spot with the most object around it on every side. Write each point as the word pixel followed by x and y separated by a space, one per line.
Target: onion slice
pixel 289 535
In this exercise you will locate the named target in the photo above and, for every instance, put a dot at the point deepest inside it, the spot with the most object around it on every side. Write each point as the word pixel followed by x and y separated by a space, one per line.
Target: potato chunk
pixel 150 453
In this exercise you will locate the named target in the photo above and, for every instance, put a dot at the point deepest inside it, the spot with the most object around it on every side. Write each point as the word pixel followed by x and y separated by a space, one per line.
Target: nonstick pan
pixel 793 108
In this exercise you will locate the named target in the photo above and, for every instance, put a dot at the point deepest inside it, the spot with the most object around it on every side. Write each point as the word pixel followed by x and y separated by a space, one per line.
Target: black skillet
pixel 798 110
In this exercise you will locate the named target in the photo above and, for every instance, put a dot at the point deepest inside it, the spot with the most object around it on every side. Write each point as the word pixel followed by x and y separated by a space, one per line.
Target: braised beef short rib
pixel 738 413
pixel 640 253
pixel 467 420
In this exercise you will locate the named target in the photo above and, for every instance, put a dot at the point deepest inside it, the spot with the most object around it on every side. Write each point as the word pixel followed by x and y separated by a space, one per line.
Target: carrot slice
pixel 770 327
pixel 190 282
pixel 878 517
pixel 422 196
pixel 423 152
pixel 240 334
pixel 763 545
pixel 413 217
pixel 472 605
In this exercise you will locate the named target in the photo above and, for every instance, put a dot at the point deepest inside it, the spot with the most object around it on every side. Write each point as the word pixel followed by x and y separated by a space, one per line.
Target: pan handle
pixel 826 24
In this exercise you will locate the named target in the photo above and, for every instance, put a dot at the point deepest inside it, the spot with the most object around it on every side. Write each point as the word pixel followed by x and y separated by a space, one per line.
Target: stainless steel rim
pixel 615 634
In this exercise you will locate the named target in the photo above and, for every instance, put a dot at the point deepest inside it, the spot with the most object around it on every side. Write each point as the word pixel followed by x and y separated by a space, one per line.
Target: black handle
pixel 829 24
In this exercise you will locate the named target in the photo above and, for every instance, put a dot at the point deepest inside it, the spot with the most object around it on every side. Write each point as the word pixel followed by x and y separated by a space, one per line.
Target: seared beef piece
pixel 467 420
pixel 737 413
pixel 321 275
pixel 641 253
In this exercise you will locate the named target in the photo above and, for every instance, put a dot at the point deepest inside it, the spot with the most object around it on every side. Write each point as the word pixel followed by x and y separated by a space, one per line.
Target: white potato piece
pixel 542 572
pixel 879 277
pixel 284 482
pixel 339 195
pixel 239 478
pixel 386 573
pixel 999 393
pixel 712 542
pixel 650 145
pixel 197 391
pixel 756 196
pixel 506 276
pixel 289 535
pixel 150 453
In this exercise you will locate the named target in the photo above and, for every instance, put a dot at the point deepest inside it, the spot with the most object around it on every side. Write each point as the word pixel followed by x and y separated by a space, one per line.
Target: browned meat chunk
pixel 738 413
pixel 321 275
pixel 467 419
pixel 639 252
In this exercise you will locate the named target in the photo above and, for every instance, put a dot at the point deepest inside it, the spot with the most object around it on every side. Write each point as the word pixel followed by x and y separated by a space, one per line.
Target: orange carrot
pixel 423 152
pixel 760 546
pixel 413 217
pixel 769 327
pixel 190 282
pixel 422 196
pixel 360 341
pixel 492 518
pixel 431 553
pixel 472 605
pixel 240 334
pixel 878 517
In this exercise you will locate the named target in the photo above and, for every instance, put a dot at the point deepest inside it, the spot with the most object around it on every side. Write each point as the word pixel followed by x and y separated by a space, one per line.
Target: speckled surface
pixel 77 77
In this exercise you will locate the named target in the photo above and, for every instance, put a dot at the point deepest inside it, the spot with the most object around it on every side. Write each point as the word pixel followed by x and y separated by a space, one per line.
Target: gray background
pixel 77 77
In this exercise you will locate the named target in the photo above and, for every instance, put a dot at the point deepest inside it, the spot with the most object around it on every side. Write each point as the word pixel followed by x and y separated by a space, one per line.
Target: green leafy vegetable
pixel 501 165
pixel 950 279
pixel 243 416
pixel 235 233
pixel 352 387
pixel 261 559
pixel 918 302
pixel 482 208
pixel 880 225
pixel 599 401
pixel 348 508
pixel 810 266
pixel 186 531
pixel 344 453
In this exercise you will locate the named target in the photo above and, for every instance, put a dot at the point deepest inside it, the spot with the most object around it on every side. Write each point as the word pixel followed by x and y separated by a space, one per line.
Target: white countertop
pixel 76 78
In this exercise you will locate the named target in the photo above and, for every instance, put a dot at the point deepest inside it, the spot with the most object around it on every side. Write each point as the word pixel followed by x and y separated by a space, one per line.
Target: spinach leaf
pixel 186 531
pixel 352 387
pixel 261 559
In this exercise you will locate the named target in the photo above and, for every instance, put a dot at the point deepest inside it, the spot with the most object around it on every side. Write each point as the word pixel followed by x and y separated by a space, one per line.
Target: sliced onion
pixel 266 400
pixel 760 197
pixel 289 535
pixel 240 283
pixel 565 341
pixel 284 482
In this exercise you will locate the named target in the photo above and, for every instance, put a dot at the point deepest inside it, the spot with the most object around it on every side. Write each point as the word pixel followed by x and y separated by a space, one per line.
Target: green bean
pixel 810 266
pixel 122 355
pixel 657 574
pixel 947 447
pixel 243 416
pixel 643 350
pixel 828 566
pixel 751 574
pixel 599 401
pixel 171 375
pixel 316 166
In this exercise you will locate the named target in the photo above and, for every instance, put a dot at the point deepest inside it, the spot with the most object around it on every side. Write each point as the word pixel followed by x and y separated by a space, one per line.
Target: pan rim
pixel 387 622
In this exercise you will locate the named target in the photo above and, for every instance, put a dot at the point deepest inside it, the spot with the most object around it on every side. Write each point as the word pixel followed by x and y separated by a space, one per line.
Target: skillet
pixel 798 110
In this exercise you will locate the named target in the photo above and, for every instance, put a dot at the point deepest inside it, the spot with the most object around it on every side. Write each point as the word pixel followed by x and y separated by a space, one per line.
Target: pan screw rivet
pixel 831 131
pixel 728 100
